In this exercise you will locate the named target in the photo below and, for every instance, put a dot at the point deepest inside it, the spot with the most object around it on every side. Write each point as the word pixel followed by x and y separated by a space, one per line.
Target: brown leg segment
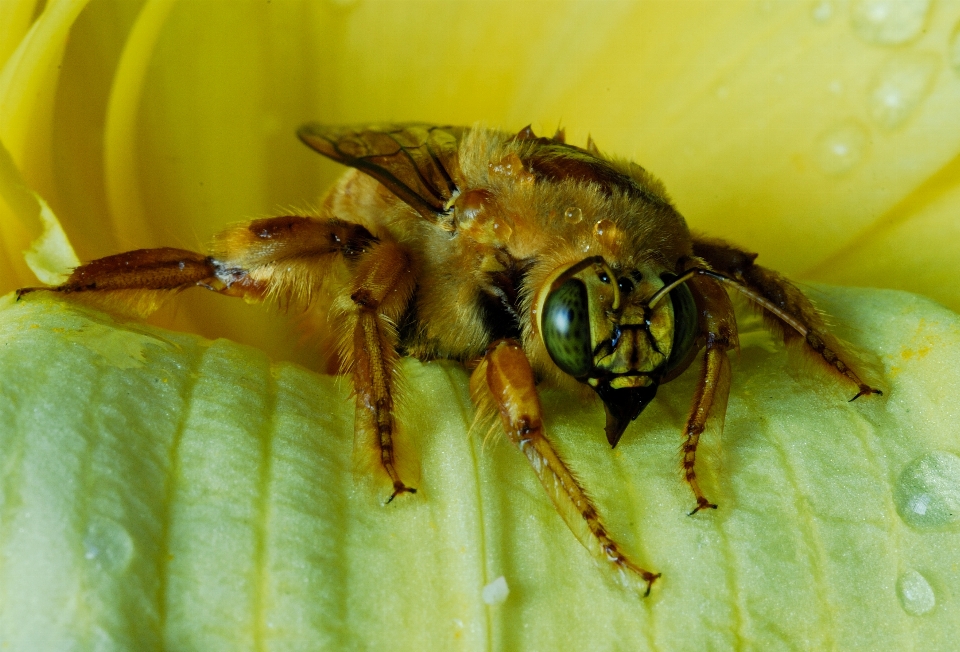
pixel 279 256
pixel 719 328
pixel 506 374
pixel 143 269
pixel 382 287
pixel 785 306
pixel 135 283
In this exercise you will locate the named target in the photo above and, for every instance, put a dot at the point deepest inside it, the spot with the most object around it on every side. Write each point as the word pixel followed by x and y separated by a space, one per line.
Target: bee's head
pixel 606 332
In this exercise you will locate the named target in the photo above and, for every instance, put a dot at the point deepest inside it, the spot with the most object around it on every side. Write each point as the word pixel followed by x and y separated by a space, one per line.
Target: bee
pixel 526 258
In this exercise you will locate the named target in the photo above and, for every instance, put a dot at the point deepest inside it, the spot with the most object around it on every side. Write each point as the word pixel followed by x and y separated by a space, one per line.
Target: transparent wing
pixel 417 162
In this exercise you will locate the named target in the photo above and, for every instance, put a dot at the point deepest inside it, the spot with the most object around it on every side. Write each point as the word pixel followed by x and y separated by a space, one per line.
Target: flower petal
pixel 161 490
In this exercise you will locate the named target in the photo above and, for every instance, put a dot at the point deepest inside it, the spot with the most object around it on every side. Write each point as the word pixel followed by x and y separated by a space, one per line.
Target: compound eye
pixel 684 328
pixel 565 325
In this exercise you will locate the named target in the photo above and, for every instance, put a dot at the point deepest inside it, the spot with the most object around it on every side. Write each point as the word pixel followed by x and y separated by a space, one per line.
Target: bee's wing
pixel 417 162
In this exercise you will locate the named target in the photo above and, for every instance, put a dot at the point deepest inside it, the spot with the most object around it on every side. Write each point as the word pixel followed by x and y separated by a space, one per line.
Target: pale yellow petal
pixel 162 491
pixel 27 96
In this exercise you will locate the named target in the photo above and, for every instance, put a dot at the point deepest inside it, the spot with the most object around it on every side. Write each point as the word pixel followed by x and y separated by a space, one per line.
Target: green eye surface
pixel 566 328
pixel 684 327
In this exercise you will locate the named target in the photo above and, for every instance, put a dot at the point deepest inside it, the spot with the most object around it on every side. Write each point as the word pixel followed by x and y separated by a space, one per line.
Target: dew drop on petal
pixel 927 493
pixel 822 11
pixel 573 215
pixel 839 149
pixel 899 86
pixel 108 544
pixel 915 593
pixel 496 592
pixel 888 22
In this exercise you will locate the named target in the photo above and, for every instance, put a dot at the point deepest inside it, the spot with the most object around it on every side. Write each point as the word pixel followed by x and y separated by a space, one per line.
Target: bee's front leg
pixel 382 285
pixel 786 309
pixel 718 327
pixel 505 376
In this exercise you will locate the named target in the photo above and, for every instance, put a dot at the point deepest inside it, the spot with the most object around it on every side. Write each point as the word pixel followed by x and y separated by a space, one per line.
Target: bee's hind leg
pixel 382 286
pixel 718 328
pixel 505 376
pixel 144 269
pixel 282 257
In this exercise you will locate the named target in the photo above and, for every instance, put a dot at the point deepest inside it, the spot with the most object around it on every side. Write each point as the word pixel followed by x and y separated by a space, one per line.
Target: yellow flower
pixel 165 491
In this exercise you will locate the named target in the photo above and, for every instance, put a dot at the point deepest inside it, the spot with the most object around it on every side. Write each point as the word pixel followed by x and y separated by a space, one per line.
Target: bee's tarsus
pixel 864 391
pixel 399 488
pixel 650 580
pixel 702 505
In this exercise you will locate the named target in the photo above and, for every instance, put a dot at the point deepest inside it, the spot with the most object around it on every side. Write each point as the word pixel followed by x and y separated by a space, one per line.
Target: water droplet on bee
pixel 927 493
pixel 603 227
pixel 607 233
pixel 573 215
pixel 915 593
pixel 888 22
pixel 502 229
pixel 841 148
pixel 900 86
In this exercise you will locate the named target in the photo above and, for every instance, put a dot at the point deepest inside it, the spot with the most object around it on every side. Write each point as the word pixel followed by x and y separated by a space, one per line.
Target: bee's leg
pixel 277 256
pixel 505 376
pixel 143 269
pixel 718 327
pixel 785 307
pixel 382 286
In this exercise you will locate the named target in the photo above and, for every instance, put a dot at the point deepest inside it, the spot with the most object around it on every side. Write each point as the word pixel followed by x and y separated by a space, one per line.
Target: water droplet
pixel 888 22
pixel 842 147
pixel 822 11
pixel 608 234
pixel 502 229
pixel 927 493
pixel 915 593
pixel 573 215
pixel 496 592
pixel 900 86
pixel 723 93
pixel 108 544
pixel 603 227
pixel 954 50
pixel 836 87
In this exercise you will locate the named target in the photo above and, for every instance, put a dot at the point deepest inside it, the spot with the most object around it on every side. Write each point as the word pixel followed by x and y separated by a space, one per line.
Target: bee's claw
pixel 650 579
pixel 864 391
pixel 399 488
pixel 702 504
